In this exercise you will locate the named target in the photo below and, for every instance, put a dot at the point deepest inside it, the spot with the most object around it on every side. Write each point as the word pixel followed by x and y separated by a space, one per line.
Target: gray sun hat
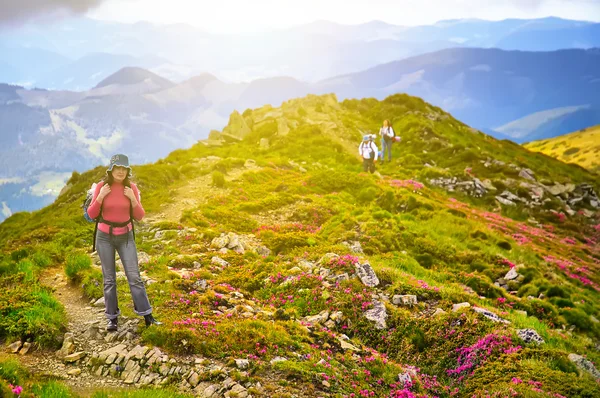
pixel 119 160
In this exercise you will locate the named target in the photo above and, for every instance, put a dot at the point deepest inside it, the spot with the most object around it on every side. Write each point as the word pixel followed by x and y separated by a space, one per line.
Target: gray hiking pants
pixel 125 246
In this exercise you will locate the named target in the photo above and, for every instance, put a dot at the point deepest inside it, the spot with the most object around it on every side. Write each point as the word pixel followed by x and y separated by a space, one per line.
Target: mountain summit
pixel 131 75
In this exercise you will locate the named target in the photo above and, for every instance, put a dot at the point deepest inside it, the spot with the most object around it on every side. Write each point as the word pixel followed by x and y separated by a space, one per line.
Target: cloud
pixel 6 212
pixel 49 183
pixel 14 12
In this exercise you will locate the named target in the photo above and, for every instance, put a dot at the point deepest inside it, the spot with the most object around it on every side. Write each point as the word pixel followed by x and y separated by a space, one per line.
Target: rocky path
pixel 85 334
pixel 92 358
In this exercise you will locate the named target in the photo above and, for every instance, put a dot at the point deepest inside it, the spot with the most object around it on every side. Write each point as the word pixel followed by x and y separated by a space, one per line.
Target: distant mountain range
pixel 77 54
pixel 518 95
pixel 46 134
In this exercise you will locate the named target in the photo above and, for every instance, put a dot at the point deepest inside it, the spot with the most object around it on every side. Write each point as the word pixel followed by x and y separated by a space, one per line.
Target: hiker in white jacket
pixel 387 138
pixel 369 153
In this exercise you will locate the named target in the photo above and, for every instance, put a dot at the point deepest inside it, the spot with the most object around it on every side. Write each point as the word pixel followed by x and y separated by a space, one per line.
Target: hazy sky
pixel 253 15
pixel 245 15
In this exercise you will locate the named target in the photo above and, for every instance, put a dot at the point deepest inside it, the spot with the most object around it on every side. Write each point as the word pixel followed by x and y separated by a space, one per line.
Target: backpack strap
pixel 96 228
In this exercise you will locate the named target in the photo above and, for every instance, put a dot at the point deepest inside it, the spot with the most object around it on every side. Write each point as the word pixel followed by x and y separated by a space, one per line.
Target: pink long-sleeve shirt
pixel 115 207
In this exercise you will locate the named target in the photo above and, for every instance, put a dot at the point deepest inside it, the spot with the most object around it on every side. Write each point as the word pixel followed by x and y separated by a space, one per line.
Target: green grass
pixel 417 240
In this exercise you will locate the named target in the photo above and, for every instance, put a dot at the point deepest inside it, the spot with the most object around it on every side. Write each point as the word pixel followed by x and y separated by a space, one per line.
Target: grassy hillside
pixel 581 147
pixel 259 253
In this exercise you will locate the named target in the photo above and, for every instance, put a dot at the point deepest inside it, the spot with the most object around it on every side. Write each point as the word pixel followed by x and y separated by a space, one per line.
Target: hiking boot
pixel 111 326
pixel 151 321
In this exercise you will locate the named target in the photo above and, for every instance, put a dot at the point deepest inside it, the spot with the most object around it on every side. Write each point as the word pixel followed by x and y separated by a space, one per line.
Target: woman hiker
pixel 368 152
pixel 387 138
pixel 116 201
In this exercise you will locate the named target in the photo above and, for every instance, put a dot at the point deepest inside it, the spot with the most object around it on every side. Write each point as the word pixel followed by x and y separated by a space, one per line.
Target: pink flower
pixel 569 241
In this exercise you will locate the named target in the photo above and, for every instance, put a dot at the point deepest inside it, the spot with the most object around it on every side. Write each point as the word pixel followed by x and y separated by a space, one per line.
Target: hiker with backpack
pixel 368 151
pixel 114 205
pixel 387 138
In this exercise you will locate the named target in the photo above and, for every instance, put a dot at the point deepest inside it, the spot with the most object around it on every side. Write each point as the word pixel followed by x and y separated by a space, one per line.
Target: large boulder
pixel 237 128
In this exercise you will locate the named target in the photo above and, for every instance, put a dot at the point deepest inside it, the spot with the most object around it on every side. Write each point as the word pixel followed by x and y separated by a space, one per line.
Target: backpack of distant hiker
pixel 369 145
pixel 388 138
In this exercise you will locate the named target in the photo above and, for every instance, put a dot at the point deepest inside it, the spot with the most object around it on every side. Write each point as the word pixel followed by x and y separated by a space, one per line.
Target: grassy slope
pixel 419 241
pixel 581 147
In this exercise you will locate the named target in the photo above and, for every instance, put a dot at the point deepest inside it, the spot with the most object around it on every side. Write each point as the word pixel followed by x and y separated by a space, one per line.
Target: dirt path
pixel 194 193
pixel 83 319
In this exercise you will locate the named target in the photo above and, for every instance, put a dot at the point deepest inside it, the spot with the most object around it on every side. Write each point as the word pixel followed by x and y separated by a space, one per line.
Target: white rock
pixel 407 299
pixel 242 363
pixel 459 306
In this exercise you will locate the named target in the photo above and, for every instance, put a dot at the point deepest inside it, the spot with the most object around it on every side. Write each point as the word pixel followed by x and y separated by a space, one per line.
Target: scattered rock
pixel 347 346
pixel 527 174
pixel 99 303
pixel 366 274
pixel 200 284
pixel 263 251
pixel 75 357
pixel 242 363
pixel 459 306
pixel 278 359
pixel 405 379
pixel 505 201
pixel 585 365
pixel 219 261
pixel 68 346
pixel 530 336
pixel 557 189
pixel 194 379
pixel 377 314
pixel 74 372
pixel 439 311
pixel 490 315
pixel 512 274
pixel 15 347
pixel 407 299
pixel 321 318
pixel 25 349
pixel 219 242
pixel 355 247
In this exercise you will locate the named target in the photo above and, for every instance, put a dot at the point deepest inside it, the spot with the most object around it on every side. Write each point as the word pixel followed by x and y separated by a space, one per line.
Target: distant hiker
pixel 368 151
pixel 387 138
pixel 115 204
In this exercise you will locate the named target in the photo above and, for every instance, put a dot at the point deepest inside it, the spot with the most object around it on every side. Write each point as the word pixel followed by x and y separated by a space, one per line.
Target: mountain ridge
pixel 580 147
pixel 274 254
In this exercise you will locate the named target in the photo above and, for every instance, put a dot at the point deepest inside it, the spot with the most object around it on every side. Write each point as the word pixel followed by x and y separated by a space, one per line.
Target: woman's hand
pixel 105 190
pixel 129 193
